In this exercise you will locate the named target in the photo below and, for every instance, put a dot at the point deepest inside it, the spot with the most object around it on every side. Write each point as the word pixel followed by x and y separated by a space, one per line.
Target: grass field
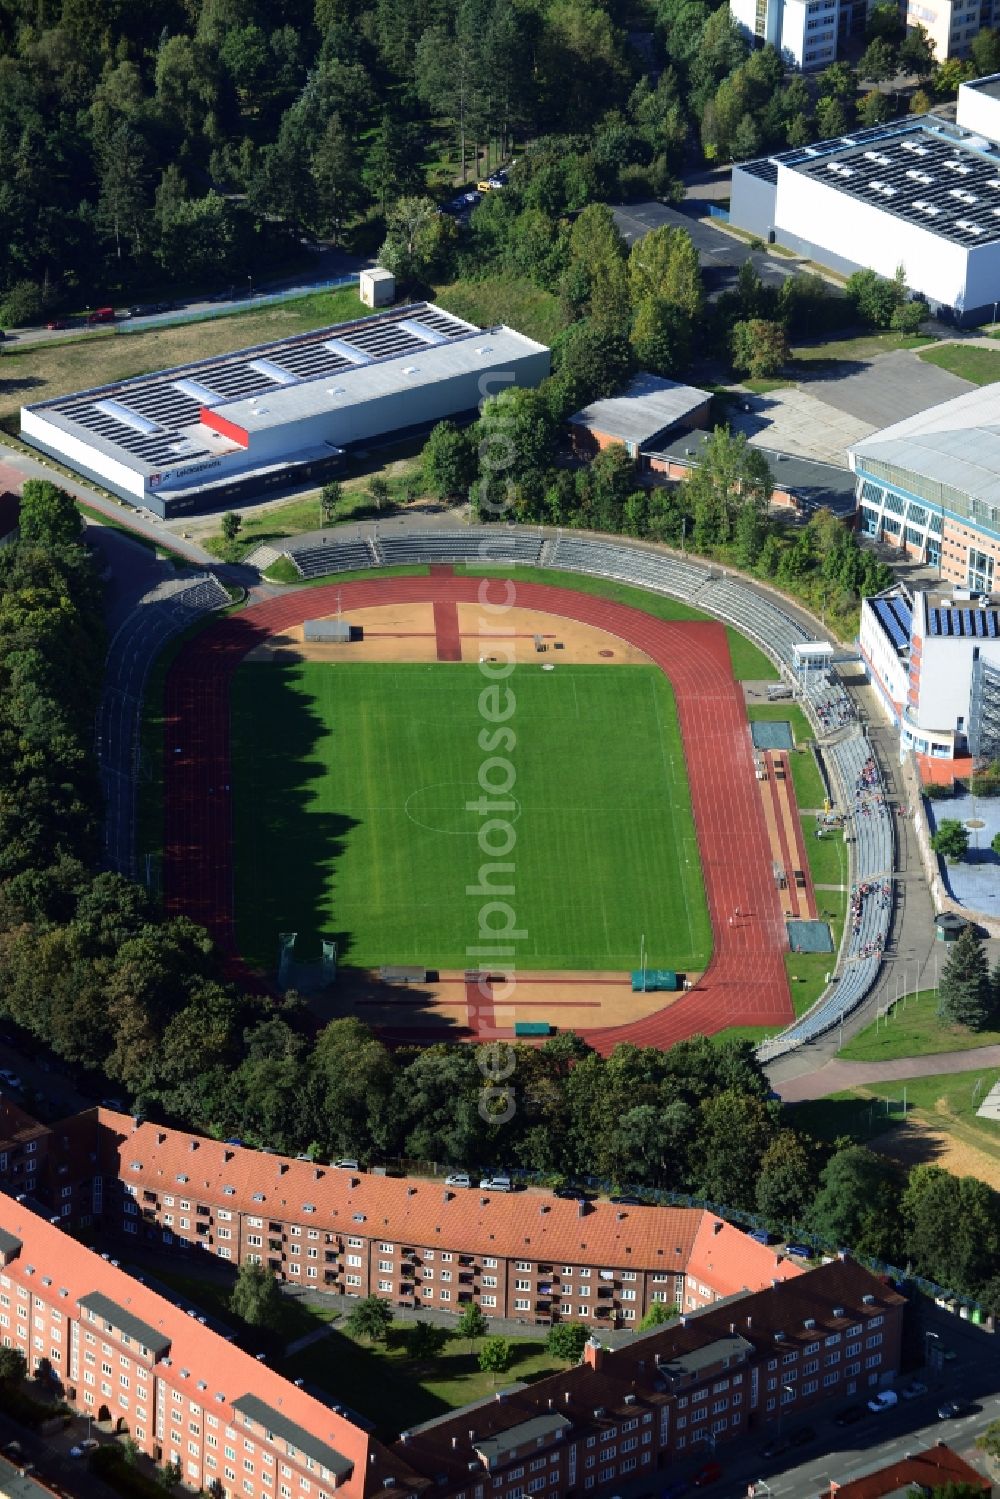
pixel 912 1029
pixel 981 366
pixel 806 779
pixel 505 299
pixel 350 789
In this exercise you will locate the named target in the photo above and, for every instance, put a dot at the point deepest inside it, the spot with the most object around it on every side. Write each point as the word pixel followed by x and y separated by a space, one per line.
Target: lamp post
pixel 930 1337
pixel 785 1389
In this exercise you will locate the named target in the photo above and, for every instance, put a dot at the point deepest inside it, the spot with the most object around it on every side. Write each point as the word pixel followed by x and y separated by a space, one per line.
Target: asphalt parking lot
pixel 721 255
pixel 887 389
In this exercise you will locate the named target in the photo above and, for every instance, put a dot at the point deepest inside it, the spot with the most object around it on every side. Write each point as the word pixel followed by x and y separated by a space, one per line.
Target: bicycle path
pixel 836 1075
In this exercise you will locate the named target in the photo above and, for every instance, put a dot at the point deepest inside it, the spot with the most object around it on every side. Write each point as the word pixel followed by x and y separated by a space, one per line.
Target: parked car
pixel 676 1489
pixel 496 1184
pixel 849 1415
pixel 710 1473
pixel 802 1436
pixel 950 1409
pixel 347 1164
pixel 142 309
pixel 10 1079
pixel 89 1444
pixel 883 1401
pixel 626 1200
pixel 458 1179
pixel 57 322
pixel 802 1251
pixel 912 1391
pixel 775 1447
pixel 760 1235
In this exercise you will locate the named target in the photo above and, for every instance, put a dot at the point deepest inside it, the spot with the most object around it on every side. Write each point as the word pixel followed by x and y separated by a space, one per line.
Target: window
pixel 979 575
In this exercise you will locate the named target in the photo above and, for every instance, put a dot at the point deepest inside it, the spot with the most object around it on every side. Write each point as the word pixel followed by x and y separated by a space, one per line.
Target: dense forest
pixel 195 142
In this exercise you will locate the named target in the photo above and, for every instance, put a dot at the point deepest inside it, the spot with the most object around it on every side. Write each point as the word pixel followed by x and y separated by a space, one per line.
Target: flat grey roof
pixel 990 85
pixel 124 1321
pixel 646 407
pixel 496 1448
pixel 688 1364
pixel 273 1421
pixel 153 422
pixel 956 443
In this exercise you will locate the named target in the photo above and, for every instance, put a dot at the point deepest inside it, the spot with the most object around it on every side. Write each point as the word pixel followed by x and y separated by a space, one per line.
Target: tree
pixel 950 839
pixel 370 1319
pixel 916 52
pixel 878 62
pixel 49 516
pixel 337 177
pixel 984 52
pixel 331 498
pixel 567 1340
pixel 256 1297
pixel 908 316
pixel 951 1227
pixel 734 1132
pixel 995 843
pixel 231 524
pixel 989 1441
pixel 660 336
pixel 471 1324
pixel 664 265
pixel 419 240
pixel 658 1314
pixel 13 1367
pixel 786 1180
pixel 22 305
pixel 874 297
pixel 760 347
pixel 857 1203
pixel 495 1356
pixel 965 992
pixel 170 1475
pixel 730 474
pixel 832 118
pixel 884 21
pixel 920 102
pixel 449 461
pixel 392 162
pixel 378 491
pixel 424 1340
pixel 874 109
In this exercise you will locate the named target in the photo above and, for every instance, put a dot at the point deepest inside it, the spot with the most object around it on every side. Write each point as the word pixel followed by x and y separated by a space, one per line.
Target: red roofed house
pixel 527 1255
pixel 185 1394
pixel 928 1470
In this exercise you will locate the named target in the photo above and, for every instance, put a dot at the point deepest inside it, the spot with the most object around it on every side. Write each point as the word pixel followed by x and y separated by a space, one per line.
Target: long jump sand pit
pixel 405 632
pixel 568 1001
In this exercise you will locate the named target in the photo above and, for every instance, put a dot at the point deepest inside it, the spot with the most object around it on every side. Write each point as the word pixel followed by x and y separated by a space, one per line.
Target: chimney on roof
pixel 581 1208
pixel 355 1181
pixel 227 1155
pixel 593 1353
pixel 447 1196
pixel 282 1168
pixel 717 1226
pixel 161 1138
pixel 192 1145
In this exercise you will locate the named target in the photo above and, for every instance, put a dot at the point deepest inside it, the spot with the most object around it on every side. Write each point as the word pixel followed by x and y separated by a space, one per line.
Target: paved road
pixel 835 1075
pixel 721 254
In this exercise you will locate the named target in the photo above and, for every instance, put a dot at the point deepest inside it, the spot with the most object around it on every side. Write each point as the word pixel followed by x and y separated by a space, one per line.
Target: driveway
pixel 721 254
pixel 888 388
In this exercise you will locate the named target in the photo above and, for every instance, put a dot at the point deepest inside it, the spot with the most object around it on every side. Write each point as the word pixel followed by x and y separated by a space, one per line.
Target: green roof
pixel 273 1421
pixel 124 1322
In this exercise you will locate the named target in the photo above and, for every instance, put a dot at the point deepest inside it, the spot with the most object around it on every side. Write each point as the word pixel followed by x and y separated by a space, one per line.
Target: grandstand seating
pixel 333 557
pixel 872 830
pixel 655 570
pixel 487 545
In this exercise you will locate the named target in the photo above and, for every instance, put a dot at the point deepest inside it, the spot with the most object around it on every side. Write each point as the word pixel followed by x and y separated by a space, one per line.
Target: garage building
pixel 198 436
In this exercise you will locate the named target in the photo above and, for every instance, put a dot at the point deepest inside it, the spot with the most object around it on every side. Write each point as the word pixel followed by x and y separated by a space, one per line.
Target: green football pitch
pixel 351 784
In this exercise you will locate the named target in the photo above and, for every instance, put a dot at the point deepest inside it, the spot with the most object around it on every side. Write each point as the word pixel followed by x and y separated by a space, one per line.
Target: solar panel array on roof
pixel 921 176
pixel 890 623
pixel 979 624
pixel 146 417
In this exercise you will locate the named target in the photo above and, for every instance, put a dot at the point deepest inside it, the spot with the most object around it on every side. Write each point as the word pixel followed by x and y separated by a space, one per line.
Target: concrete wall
pixel 848 228
pixel 752 203
pixel 946 681
pixel 978 111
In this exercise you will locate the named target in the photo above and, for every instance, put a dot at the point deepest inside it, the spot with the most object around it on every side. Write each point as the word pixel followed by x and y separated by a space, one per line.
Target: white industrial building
pixel 195 437
pixel 951 25
pixel 920 193
pixel 803 31
pixel 934 659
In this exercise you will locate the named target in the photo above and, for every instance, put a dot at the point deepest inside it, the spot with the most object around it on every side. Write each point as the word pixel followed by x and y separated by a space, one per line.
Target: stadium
pixel 323 769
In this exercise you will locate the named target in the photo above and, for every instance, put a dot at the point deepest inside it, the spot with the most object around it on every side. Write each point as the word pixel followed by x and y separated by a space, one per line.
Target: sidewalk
pixel 835 1076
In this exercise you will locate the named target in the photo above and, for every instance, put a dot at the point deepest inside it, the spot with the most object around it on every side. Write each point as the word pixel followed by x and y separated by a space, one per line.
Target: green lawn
pixel 350 788
pixel 912 1029
pixel 40 371
pixel 947 1101
pixel 505 299
pixel 749 663
pixel 981 366
pixel 808 783
pixel 395 1392
pixel 865 346
pixel 827 856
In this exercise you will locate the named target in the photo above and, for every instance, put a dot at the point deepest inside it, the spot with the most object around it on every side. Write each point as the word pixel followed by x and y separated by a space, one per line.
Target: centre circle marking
pixel 446 801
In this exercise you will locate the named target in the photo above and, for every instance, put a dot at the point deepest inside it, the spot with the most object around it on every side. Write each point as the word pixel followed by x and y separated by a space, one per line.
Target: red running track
pixel 745 983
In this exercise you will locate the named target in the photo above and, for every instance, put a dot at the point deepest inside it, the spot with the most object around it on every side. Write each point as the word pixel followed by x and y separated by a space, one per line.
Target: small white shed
pixel 377 288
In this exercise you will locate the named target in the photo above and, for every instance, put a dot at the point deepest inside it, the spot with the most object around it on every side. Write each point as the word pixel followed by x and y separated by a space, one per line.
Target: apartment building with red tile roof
pixel 625 1414
pixel 526 1255
pixel 23 1149
pixel 126 1355
pixel 928 1470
